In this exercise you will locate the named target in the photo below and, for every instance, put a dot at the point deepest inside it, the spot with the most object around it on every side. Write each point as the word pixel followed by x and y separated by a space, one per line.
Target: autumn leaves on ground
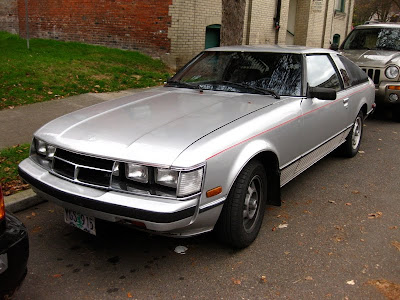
pixel 53 70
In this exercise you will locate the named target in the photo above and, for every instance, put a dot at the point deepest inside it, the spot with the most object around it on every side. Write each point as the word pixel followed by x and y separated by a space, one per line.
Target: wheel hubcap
pixel 356 136
pixel 251 203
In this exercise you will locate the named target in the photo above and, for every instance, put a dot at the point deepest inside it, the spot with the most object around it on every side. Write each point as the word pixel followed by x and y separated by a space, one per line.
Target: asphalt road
pixel 342 236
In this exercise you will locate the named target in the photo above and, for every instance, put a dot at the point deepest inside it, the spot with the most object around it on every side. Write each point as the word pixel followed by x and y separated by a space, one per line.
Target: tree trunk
pixel 232 22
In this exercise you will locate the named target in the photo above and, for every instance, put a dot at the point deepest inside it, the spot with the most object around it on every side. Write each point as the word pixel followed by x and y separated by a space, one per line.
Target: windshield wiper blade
pixel 247 86
pixel 182 84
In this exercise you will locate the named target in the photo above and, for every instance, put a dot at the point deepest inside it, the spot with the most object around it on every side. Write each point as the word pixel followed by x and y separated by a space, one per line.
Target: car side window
pixel 321 73
pixel 355 74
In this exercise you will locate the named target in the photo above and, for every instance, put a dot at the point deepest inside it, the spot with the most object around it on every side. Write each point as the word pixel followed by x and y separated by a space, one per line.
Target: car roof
pixel 379 25
pixel 271 48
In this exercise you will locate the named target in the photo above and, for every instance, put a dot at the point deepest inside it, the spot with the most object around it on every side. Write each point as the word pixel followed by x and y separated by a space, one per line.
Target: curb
pixel 22 200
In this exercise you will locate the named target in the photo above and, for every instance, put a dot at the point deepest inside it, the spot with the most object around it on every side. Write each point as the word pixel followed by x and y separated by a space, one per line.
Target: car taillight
pixel 2 208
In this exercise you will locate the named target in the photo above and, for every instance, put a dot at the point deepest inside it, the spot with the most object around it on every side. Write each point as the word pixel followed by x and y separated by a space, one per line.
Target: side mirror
pixel 321 93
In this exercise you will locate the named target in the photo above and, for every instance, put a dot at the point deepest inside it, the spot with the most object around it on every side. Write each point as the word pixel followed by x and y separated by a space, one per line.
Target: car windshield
pixel 244 72
pixel 373 38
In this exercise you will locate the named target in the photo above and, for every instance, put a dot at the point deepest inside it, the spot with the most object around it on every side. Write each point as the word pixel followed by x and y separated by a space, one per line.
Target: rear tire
pixel 353 140
pixel 243 212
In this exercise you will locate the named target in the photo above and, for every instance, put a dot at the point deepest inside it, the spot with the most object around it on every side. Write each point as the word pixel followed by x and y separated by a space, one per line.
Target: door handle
pixel 346 102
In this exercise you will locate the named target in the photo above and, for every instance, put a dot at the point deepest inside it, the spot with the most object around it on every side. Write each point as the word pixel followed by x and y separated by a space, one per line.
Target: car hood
pixel 152 127
pixel 371 58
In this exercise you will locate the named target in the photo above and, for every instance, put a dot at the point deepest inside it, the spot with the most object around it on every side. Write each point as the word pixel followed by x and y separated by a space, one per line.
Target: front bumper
pixel 14 253
pixel 162 215
pixel 382 92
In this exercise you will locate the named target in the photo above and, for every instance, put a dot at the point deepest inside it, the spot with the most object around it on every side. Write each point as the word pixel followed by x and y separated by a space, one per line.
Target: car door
pixel 324 121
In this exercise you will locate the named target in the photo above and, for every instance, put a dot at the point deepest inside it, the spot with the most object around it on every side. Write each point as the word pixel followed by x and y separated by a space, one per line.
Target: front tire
pixel 353 140
pixel 243 213
pixel 396 113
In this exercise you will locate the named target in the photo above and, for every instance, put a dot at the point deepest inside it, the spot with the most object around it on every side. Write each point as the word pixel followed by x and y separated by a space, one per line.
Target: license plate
pixel 81 221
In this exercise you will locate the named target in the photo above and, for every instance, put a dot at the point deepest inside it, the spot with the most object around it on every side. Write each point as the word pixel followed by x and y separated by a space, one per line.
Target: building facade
pixel 176 30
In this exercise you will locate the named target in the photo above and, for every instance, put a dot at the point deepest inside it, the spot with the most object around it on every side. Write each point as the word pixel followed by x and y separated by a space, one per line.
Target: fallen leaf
pixel 379 139
pixel 331 201
pixel 393 227
pixel 11 107
pixel 57 275
pixel 34 214
pixel 355 192
pixel 378 214
pixel 263 279
pixel 36 229
pixel 287 252
pixel 396 244
pixel 351 282
pixel 97 86
pixel 308 278
pixel 236 281
pixel 362 152
pixel 50 93
pixel 390 289
pixel 129 295
pixel 273 228
pixel 348 204
pixel 7 169
pixel 283 226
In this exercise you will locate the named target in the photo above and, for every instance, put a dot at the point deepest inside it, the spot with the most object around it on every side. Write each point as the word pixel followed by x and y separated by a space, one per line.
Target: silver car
pixel 375 48
pixel 210 149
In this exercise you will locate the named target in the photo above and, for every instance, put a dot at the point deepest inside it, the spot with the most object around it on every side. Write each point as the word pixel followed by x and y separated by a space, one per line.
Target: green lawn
pixel 9 160
pixel 54 69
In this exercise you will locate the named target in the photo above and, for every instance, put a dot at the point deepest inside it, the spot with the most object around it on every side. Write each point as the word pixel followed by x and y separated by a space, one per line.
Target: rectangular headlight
pixel 137 172
pixel 190 182
pixel 167 177
pixel 41 147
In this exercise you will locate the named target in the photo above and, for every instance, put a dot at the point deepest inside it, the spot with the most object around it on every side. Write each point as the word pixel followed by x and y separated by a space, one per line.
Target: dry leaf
pixel 348 204
pixel 351 282
pixel 331 201
pixel 50 93
pixel 308 278
pixel 283 226
pixel 129 295
pixel 393 227
pixel 396 244
pixel 362 152
pixel 355 192
pixel 378 214
pixel 97 86
pixel 57 275
pixel 33 214
pixel 236 281
pixel 263 279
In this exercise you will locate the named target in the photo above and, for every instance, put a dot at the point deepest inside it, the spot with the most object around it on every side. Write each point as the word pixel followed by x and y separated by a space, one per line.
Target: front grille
pixel 98 172
pixel 374 74
pixel 83 168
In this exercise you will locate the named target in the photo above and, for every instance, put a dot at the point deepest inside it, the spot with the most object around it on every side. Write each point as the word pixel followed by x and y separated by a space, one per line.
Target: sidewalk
pixel 19 124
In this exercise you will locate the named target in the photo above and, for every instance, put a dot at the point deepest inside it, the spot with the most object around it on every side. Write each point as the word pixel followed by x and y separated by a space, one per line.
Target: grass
pixel 9 160
pixel 53 69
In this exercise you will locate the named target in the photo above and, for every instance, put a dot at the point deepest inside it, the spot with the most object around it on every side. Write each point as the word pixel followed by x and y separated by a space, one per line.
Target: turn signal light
pixel 214 192
pixel 394 87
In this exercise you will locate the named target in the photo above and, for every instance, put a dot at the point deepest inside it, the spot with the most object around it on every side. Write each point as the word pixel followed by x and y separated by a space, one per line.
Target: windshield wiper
pixel 247 86
pixel 182 84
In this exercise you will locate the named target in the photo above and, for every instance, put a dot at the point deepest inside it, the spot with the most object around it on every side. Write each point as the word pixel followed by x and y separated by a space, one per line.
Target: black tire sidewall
pixel 239 237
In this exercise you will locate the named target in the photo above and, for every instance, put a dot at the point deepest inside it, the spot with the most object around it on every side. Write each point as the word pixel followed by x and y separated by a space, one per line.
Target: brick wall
pixel 9 16
pixel 128 24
